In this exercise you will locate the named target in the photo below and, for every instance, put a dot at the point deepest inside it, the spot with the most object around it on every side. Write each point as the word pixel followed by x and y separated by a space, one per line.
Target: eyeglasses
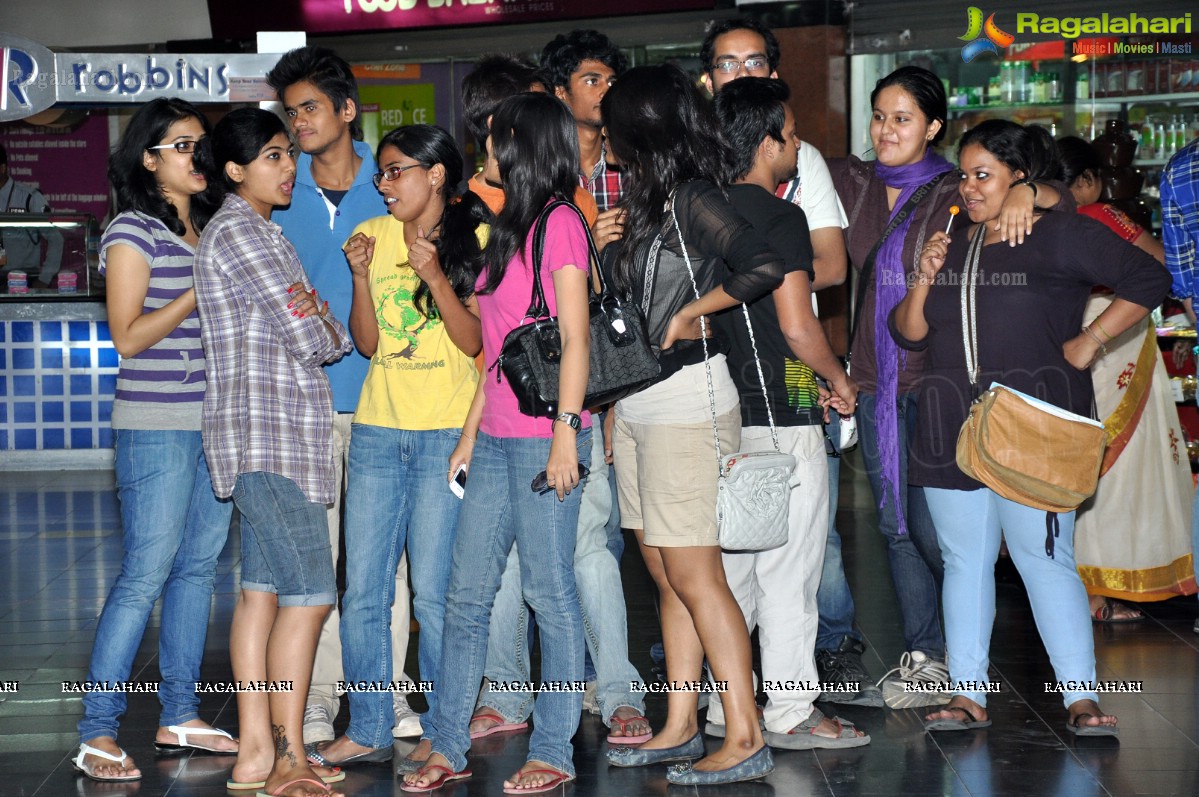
pixel 182 147
pixel 391 173
pixel 755 64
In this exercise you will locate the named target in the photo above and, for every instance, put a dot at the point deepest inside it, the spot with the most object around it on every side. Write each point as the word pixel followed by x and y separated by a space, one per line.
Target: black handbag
pixel 621 360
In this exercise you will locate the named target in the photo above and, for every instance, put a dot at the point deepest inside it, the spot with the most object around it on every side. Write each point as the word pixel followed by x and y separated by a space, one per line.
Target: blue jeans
pixel 500 510
pixel 397 484
pixel 171 549
pixel 612 529
pixel 284 541
pixel 915 558
pixel 970 524
pixel 833 598
pixel 601 602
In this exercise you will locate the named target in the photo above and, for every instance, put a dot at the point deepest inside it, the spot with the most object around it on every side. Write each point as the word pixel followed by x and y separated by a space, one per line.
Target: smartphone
pixel 458 481
pixel 540 487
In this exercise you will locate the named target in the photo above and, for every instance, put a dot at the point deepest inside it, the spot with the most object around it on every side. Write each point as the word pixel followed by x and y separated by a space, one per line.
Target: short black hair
pixel 750 109
pixel 324 69
pixel 1025 148
pixel 495 78
pixel 717 28
pixel 561 57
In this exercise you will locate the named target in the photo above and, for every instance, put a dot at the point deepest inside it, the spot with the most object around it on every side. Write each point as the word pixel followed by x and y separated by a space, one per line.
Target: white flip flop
pixel 182 732
pixel 87 749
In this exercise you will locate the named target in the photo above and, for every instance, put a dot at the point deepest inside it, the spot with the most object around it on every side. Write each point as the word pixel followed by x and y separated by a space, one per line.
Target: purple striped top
pixel 163 386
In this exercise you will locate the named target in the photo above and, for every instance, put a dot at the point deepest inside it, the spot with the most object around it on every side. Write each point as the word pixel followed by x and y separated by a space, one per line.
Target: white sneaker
pixel 915 669
pixel 318 723
pixel 407 720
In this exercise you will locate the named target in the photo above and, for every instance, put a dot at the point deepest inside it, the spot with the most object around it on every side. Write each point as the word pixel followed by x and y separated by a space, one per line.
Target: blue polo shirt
pixel 318 235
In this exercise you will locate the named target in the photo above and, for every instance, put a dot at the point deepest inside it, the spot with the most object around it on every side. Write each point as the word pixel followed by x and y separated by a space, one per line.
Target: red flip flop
pixel 624 723
pixel 448 776
pixel 554 782
pixel 502 726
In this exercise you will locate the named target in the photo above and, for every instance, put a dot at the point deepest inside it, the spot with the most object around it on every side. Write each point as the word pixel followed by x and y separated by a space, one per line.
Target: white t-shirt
pixel 812 189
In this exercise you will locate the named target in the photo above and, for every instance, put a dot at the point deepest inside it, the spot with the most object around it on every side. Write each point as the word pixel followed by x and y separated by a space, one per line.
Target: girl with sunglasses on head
pixel 163 200
pixel 268 440
pixel 414 269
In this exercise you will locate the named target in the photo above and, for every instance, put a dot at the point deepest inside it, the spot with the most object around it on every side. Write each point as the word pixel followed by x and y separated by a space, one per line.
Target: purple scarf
pixel 890 285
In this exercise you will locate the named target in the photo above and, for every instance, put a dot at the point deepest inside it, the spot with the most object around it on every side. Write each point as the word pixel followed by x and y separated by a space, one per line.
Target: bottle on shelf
pixel 1022 82
pixel 1007 84
pixel 1159 140
pixel 994 90
pixel 1054 87
pixel 1082 89
pixel 1146 150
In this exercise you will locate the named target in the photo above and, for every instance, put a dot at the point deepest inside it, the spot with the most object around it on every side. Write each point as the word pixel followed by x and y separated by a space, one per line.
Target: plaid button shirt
pixel 267 406
pixel 1180 219
pixel 605 184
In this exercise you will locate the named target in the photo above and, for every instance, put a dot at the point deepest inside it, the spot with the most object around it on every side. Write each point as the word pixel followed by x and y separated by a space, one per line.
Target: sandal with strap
pixel 624 726
pixel 1107 613
pixel 184 744
pixel 804 737
pixel 556 779
pixel 447 776
pixel 970 723
pixel 283 787
pixel 502 725
pixel 86 750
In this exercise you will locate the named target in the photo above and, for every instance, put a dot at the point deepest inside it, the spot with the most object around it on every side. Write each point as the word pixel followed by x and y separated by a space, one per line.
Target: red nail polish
pixel 289 290
pixel 289 304
pixel 293 312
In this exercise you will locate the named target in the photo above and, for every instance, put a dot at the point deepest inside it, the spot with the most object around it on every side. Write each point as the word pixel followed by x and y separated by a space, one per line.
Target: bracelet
pixel 1095 338
pixel 1031 185
pixel 1095 321
pixel 468 437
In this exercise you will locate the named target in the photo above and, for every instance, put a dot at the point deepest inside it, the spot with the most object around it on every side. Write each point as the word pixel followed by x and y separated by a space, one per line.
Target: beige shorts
pixel 666 478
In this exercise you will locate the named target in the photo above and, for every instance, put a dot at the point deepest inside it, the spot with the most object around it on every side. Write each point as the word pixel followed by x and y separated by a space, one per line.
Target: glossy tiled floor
pixel 60 548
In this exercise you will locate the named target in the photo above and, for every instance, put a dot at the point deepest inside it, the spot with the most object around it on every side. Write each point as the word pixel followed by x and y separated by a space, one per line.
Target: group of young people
pixel 289 325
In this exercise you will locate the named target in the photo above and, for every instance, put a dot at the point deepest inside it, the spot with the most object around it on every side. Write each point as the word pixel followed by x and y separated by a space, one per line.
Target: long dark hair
pixel 666 133
pixel 926 89
pixel 457 245
pixel 1077 158
pixel 1029 149
pixel 136 188
pixel 239 137
pixel 536 146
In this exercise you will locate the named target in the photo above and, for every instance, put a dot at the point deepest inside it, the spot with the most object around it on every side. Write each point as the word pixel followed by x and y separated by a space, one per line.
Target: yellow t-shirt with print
pixel 417 379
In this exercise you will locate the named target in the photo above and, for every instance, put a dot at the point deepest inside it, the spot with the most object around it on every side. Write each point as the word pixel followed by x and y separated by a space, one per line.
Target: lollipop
pixel 953 211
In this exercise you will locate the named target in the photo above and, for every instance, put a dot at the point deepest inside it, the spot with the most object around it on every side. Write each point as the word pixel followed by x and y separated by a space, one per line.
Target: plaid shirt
pixel 267 406
pixel 1180 219
pixel 605 184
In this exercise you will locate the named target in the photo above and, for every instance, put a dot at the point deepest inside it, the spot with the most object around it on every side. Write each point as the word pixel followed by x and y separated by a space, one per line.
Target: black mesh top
pixel 715 235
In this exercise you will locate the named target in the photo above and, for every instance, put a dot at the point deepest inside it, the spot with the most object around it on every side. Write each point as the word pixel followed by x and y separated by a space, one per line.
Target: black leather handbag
pixel 621 360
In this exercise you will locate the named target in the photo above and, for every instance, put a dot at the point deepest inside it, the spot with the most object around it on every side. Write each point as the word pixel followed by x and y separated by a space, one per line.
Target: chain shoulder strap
pixel 970 304
pixel 703 325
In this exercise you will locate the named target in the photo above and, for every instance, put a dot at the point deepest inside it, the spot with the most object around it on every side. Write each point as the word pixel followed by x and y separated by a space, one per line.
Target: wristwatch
pixel 571 419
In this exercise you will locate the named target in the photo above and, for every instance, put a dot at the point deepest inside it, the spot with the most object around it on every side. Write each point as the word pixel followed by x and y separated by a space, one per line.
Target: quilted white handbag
pixel 754 488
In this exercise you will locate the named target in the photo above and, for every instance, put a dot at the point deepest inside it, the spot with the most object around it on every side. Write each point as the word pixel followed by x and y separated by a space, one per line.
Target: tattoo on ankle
pixel 282 748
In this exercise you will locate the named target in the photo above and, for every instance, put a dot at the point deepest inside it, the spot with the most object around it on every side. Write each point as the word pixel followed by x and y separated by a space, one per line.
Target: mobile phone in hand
pixel 458 481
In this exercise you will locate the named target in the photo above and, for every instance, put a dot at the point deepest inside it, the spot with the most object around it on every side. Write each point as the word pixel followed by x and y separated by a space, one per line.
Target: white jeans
pixel 776 589
pixel 327 669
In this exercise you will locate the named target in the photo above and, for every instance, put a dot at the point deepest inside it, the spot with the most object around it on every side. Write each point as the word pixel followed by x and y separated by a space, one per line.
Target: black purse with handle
pixel 621 360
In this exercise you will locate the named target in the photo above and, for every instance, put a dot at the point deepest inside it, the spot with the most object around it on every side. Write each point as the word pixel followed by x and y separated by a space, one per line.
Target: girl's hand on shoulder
pixel 360 251
pixel 422 256
pixel 1016 214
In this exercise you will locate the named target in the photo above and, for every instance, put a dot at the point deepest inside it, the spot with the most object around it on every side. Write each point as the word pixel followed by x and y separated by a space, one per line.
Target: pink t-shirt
pixel 504 310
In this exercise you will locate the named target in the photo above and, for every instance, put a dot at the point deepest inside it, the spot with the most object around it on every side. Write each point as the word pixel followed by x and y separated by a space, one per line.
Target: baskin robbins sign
pixel 36 78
